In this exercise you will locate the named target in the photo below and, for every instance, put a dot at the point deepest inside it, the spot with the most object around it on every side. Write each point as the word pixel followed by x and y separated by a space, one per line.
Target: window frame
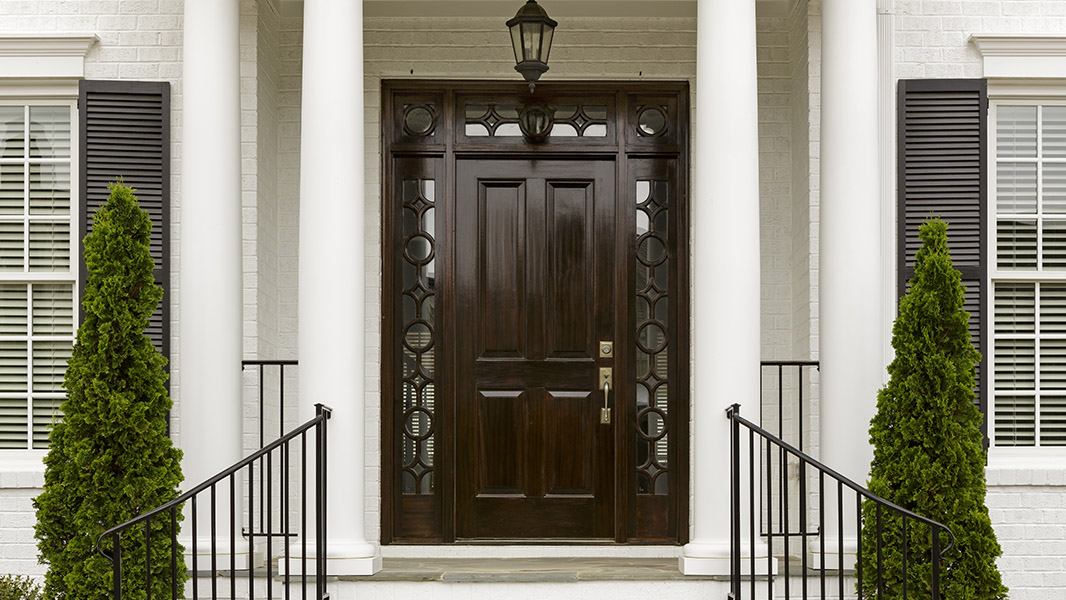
pixel 1008 93
pixel 29 96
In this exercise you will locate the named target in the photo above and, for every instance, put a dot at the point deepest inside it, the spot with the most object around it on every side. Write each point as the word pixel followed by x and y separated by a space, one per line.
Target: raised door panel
pixel 501 260
pixel 570 278
pixel 503 419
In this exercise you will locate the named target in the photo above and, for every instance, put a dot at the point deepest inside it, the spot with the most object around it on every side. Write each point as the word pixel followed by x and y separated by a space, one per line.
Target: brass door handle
pixel 605 412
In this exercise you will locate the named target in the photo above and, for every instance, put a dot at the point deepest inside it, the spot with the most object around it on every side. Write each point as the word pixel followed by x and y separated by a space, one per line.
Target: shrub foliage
pixel 928 447
pixel 19 587
pixel 110 458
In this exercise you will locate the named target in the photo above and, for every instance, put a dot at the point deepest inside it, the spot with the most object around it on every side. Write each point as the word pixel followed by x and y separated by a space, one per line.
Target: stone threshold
pixel 529 570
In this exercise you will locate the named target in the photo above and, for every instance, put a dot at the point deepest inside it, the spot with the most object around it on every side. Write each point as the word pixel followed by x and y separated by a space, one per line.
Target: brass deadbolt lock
pixel 606 349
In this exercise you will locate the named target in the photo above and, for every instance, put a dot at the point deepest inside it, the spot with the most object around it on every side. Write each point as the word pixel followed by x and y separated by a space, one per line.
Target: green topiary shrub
pixel 928 448
pixel 19 587
pixel 110 458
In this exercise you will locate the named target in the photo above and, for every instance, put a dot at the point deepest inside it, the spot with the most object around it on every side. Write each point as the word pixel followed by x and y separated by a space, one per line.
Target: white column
pixel 725 266
pixel 332 266
pixel 209 310
pixel 850 286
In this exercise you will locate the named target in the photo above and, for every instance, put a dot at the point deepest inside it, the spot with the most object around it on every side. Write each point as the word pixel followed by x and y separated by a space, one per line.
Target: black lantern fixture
pixel 531 36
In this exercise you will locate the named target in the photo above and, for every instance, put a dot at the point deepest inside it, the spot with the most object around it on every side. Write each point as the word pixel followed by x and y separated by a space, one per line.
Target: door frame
pixel 430 518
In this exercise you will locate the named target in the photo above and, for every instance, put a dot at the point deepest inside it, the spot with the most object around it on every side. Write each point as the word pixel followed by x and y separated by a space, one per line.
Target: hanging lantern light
pixel 531 36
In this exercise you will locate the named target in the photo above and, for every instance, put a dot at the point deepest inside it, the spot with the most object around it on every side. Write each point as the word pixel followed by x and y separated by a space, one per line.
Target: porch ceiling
pixel 556 8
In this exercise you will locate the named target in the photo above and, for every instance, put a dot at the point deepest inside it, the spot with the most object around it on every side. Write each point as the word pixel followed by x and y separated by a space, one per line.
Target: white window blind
pixel 37 281
pixel 1029 277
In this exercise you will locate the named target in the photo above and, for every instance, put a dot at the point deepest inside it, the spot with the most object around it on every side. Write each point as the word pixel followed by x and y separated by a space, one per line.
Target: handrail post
pixel 323 413
pixel 935 552
pixel 116 566
pixel 734 502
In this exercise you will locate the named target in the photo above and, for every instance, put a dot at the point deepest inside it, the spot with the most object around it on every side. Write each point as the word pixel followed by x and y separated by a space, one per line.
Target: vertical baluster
pixel 214 549
pixel 785 523
pixel 303 513
pixel 751 507
pixel 780 403
pixel 195 552
pixel 936 562
pixel 281 400
pixel 799 413
pixel 781 434
pixel 251 531
pixel 116 567
pixel 174 553
pixel 905 557
pixel 148 557
pixel 821 530
pixel 840 536
pixel 803 525
pixel 233 536
pixel 262 443
pixel 269 475
pixel 858 537
pixel 769 522
pixel 285 508
pixel 880 570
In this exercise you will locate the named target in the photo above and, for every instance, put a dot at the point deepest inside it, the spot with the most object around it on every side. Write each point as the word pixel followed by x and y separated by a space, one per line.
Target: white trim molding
pixel 43 55
pixel 1022 55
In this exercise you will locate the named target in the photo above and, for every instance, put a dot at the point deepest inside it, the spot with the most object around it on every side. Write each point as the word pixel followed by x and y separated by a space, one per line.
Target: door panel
pixel 535 266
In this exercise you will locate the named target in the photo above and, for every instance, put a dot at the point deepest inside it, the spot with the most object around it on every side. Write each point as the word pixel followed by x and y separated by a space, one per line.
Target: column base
pixel 849 554
pixel 713 559
pixel 342 558
pixel 238 560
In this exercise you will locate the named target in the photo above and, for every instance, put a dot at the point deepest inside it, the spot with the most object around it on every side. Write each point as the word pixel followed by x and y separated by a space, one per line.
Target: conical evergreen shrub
pixel 110 458
pixel 928 450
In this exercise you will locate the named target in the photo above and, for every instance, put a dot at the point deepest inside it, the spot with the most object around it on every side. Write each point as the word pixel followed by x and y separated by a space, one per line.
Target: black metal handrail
pixel 786 450
pixel 171 509
pixel 252 531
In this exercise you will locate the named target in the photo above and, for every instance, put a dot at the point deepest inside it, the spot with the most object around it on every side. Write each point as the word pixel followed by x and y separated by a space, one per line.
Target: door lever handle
pixel 605 412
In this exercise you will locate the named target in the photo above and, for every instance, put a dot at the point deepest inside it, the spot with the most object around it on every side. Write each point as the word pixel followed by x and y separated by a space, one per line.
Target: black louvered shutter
pixel 125 133
pixel 942 170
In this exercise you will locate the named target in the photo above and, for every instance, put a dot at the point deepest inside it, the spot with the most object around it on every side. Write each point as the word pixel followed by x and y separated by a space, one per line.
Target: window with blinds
pixel 37 268
pixel 1029 274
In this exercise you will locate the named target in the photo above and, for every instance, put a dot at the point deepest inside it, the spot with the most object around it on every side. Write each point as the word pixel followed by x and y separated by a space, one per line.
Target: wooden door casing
pixel 507 444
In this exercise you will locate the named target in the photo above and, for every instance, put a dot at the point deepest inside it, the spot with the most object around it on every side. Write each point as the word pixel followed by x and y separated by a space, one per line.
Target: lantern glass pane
pixel 531 34
pixel 516 41
pixel 546 45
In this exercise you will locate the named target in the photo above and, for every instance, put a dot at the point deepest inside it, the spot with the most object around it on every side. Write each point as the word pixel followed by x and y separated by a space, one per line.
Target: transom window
pixel 1029 274
pixel 37 267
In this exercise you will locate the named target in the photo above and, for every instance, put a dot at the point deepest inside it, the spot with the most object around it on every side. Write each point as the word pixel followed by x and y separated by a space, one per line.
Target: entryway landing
pixel 529 570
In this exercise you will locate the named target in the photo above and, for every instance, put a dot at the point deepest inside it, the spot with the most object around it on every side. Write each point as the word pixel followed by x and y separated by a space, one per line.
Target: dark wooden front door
pixel 506 261
pixel 535 277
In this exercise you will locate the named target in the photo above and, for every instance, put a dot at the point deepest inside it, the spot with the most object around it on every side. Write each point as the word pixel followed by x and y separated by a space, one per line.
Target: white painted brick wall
pixel 18 548
pixel 1028 507
pixel 1028 511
